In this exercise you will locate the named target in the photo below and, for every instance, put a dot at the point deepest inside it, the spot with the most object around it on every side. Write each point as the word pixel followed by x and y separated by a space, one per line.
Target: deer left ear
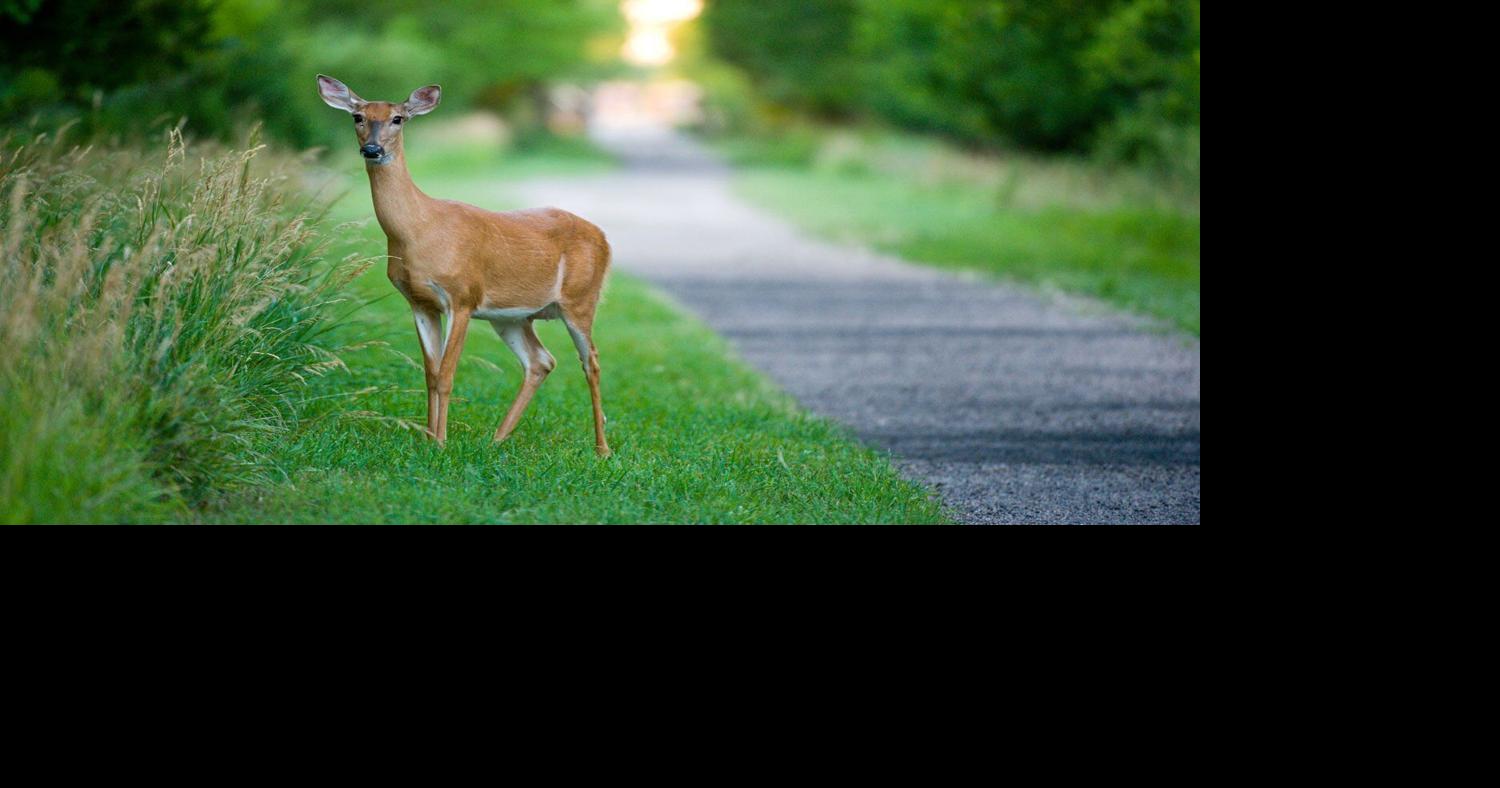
pixel 423 100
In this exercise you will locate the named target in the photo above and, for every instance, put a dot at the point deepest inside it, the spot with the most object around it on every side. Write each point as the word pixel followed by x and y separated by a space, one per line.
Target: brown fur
pixel 448 257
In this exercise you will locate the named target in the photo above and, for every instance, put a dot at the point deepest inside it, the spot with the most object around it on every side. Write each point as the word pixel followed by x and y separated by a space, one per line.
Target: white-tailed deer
pixel 453 260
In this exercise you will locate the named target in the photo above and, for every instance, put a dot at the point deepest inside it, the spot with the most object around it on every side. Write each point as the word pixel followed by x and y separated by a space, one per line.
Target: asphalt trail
pixel 1016 407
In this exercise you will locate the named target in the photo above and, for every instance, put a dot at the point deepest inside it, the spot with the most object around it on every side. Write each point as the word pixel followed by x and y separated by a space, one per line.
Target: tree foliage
pixel 797 52
pixel 102 43
pixel 1044 74
pixel 222 64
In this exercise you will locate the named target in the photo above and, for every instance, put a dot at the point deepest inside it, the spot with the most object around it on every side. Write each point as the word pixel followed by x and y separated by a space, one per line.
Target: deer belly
pixel 506 313
pixel 546 310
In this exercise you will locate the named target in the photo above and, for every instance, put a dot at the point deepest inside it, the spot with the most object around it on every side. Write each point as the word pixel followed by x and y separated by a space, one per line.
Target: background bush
pixel 1120 77
pixel 222 65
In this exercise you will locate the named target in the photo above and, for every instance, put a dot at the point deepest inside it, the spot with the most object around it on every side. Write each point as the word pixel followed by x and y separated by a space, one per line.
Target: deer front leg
pixel 430 333
pixel 458 329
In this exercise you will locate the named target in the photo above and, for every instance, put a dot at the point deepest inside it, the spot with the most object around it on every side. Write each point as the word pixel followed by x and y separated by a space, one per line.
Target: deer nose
pixel 372 151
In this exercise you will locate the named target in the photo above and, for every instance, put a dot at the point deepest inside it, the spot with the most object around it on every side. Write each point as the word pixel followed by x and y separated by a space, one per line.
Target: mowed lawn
pixel 697 436
pixel 1058 224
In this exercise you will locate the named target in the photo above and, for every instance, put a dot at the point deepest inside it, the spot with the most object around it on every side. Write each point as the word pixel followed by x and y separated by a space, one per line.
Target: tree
pixel 1044 74
pixel 796 52
pixel 86 45
pixel 984 70
pixel 224 64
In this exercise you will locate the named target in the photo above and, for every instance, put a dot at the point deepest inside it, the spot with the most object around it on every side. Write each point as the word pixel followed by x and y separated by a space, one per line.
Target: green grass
pixel 180 346
pixel 162 307
pixel 698 437
pixel 1054 223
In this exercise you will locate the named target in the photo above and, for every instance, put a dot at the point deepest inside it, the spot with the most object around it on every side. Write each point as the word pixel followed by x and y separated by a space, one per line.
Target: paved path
pixel 1015 407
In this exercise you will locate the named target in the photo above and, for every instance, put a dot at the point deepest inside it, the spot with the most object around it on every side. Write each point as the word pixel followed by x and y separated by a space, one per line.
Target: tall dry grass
pixel 160 313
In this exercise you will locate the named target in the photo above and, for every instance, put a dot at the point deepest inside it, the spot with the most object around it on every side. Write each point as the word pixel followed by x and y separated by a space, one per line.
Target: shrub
pixel 797 52
pixel 1059 75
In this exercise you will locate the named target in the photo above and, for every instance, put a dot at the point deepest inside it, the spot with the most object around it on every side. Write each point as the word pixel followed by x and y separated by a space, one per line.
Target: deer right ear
pixel 338 95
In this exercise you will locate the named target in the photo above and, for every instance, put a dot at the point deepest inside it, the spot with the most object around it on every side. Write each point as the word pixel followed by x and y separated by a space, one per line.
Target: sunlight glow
pixel 660 12
pixel 650 21
pixel 649 47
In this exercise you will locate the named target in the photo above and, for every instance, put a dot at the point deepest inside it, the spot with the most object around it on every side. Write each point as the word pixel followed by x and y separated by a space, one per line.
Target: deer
pixel 455 262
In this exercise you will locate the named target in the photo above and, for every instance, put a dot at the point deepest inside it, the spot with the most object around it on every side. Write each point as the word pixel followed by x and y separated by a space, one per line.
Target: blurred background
pixel 1114 79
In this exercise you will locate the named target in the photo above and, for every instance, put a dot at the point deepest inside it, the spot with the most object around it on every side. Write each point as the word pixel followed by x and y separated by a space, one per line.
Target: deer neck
pixel 400 206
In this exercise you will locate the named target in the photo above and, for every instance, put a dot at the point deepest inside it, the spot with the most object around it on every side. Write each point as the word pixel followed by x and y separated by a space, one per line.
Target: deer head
pixel 378 124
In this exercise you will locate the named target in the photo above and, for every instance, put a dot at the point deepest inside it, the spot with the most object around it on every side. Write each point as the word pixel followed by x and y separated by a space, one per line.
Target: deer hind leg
pixel 580 323
pixel 430 334
pixel 536 363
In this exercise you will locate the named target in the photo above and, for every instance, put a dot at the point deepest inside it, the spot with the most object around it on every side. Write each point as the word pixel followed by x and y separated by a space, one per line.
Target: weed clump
pixel 162 312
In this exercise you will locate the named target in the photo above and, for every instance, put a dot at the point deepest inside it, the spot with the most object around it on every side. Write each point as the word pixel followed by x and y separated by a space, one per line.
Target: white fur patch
pixel 428 329
pixel 580 342
pixel 442 296
pixel 508 313
pixel 512 334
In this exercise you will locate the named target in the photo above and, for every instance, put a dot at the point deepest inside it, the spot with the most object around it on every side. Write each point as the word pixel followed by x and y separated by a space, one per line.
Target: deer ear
pixel 424 100
pixel 338 95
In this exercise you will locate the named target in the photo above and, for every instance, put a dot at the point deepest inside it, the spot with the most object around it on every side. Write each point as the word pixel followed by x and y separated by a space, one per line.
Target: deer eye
pixel 397 120
pixel 359 118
